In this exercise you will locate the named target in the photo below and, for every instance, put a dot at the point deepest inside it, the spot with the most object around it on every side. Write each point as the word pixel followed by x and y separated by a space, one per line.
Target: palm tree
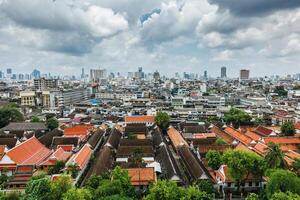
pixel 274 157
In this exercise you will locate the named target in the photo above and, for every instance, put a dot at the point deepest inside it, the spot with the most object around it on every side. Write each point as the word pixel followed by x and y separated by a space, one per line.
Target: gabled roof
pixel 58 155
pixel 82 157
pixel 228 138
pixel 282 140
pixel 24 126
pixel 297 126
pixel 142 176
pixel 263 131
pixel 30 152
pixel 47 138
pixel 79 130
pixel 238 135
pixel 175 137
pixel 140 119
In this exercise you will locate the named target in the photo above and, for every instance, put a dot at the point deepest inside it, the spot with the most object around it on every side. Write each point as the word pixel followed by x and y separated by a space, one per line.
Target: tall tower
pixel 223 72
pixel 244 74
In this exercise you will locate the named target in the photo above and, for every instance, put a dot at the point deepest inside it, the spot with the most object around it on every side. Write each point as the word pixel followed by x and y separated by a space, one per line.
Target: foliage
pixel 259 121
pixel 288 129
pixel 252 196
pixel 52 123
pixel 77 194
pixel 280 91
pixel 162 120
pixel 296 166
pixel 205 186
pixel 137 158
pixel 220 141
pixel 93 182
pixel 9 114
pixel 242 163
pixel 214 159
pixel 10 196
pixel 285 196
pixel 237 117
pixel 3 180
pixel 164 190
pixel 73 170
pixel 38 188
pixel 282 181
pixel 274 157
pixel 193 193
pixel 59 165
pixel 116 197
pixel 35 119
pixel 60 186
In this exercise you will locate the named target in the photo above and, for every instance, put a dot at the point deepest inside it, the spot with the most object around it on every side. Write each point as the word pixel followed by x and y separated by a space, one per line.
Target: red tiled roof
pixel 204 135
pixel 293 155
pixel 297 126
pixel 238 136
pixel 30 152
pixel 263 131
pixel 140 119
pixel 58 155
pixel 79 130
pixel 252 135
pixel 282 140
pixel 287 147
pixel 228 138
pixel 260 148
pixel 142 176
pixel 82 157
pixel 175 137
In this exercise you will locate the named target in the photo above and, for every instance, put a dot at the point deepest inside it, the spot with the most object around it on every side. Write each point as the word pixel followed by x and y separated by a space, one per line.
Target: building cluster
pixel 109 121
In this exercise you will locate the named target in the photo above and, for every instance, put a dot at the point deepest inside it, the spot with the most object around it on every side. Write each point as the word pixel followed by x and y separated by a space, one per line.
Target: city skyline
pixel 168 36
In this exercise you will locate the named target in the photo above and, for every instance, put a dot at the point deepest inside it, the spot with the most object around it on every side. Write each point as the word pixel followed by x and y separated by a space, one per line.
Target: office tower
pixel 156 75
pixel 177 75
pixel 130 75
pixel 1 75
pixel 140 74
pixel 35 74
pixel 97 74
pixel 14 77
pixel 21 77
pixel 223 72
pixel 82 73
pixel 244 74
pixel 8 73
pixel 205 75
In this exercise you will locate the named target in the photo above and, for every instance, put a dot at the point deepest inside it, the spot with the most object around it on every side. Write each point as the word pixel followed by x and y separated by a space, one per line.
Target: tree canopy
pixel 52 123
pixel 162 120
pixel 214 159
pixel 10 114
pixel 237 117
pixel 274 157
pixel 288 129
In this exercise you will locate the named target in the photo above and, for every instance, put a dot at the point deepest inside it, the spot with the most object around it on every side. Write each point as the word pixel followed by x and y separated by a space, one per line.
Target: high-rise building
pixel 244 74
pixel 44 83
pixel 223 72
pixel 8 73
pixel 35 74
pixel 82 73
pixel 97 74
pixel 156 75
pixel 205 75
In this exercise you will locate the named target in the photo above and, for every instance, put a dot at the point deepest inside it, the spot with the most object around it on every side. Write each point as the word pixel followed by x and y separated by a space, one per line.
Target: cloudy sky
pixel 62 36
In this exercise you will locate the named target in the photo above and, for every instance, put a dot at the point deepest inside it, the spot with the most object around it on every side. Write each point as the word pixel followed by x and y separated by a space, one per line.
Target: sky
pixel 64 36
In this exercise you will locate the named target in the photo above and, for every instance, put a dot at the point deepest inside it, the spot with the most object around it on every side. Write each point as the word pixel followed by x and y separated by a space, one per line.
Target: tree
pixel 58 166
pixel 205 186
pixel 237 117
pixel 52 123
pixel 193 193
pixel 285 196
pixel 164 190
pixel 242 163
pixel 121 175
pixel 38 188
pixel 274 157
pixel 220 141
pixel 73 169
pixel 282 181
pixel 280 91
pixel 162 120
pixel 9 114
pixel 35 119
pixel 60 186
pixel 77 194
pixel 11 196
pixel 296 166
pixel 252 196
pixel 259 121
pixel 288 129
pixel 214 159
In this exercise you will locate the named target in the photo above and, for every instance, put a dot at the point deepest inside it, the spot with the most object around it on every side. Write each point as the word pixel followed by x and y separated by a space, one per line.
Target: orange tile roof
pixel 297 126
pixel 228 138
pixel 260 148
pixel 66 147
pixel 30 152
pixel 82 157
pixel 263 131
pixel 2 150
pixel 204 135
pixel 142 176
pixel 59 155
pixel 79 130
pixel 287 147
pixel 242 147
pixel 282 140
pixel 238 135
pixel 293 155
pixel 252 135
pixel 175 137
pixel 140 119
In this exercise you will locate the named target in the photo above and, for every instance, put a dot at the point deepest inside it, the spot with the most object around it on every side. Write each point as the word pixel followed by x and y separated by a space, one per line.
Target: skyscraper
pixel 205 75
pixel 82 73
pixel 244 74
pixel 35 74
pixel 223 72
pixel 97 74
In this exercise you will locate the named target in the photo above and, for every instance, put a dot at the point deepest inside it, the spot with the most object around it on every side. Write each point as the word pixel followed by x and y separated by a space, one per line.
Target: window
pixel 250 183
pixel 256 184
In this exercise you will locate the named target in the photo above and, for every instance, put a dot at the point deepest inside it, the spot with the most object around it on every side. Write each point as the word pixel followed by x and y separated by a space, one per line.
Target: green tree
pixel 296 166
pixel 162 120
pixel 35 119
pixel 282 181
pixel 56 169
pixel 116 197
pixel 193 193
pixel 214 159
pixel 242 163
pixel 8 114
pixel 285 196
pixel 237 117
pixel 220 141
pixel 77 194
pixel 52 123
pixel 121 175
pixel 288 129
pixel 38 188
pixel 205 186
pixel 259 121
pixel 165 190
pixel 280 91
pixel 60 186
pixel 252 196
pixel 73 169
pixel 274 157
